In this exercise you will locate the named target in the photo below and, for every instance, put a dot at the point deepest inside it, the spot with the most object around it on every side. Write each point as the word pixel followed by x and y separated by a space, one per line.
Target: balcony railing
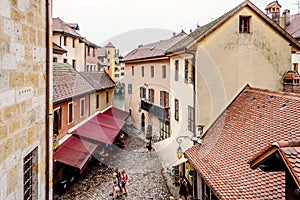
pixel 155 110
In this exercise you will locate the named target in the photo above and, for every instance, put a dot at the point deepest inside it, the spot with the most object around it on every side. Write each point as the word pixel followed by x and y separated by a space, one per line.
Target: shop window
pixel 164 130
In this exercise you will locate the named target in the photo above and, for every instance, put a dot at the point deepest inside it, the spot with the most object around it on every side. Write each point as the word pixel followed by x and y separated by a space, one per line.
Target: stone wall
pixel 22 95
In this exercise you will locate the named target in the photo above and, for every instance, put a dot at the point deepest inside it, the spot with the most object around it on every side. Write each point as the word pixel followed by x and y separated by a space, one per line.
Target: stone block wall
pixel 22 95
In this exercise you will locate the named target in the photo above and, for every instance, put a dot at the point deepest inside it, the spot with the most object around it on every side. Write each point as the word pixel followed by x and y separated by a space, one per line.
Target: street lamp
pixel 195 138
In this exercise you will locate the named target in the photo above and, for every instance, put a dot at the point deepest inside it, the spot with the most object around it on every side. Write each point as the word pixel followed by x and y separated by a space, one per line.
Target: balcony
pixel 155 110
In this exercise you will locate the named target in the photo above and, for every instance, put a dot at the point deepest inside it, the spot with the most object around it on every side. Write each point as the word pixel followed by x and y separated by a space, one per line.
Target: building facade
pixel 25 100
pixel 147 90
pixel 67 38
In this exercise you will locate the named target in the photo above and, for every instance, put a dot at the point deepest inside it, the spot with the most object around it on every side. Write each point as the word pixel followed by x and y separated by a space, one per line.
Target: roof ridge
pixel 278 93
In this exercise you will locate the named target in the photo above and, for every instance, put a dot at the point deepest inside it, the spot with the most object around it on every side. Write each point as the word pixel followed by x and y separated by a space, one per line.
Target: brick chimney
pixel 273 11
pixel 291 82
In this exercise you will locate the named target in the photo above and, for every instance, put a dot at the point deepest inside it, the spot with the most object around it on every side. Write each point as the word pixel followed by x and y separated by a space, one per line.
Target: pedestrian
pixel 149 146
pixel 183 188
pixel 124 178
pixel 116 187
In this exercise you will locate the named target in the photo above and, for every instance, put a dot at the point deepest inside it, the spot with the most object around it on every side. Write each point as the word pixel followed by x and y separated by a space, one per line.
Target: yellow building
pixel 25 100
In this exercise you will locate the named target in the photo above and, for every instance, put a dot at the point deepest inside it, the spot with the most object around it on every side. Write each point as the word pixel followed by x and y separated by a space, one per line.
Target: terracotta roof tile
pixel 156 49
pixel 253 120
pixel 68 83
pixel 60 26
pixel 99 80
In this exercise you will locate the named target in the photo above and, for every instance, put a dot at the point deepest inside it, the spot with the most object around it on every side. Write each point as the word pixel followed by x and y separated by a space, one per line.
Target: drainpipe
pixel 194 116
pixel 47 137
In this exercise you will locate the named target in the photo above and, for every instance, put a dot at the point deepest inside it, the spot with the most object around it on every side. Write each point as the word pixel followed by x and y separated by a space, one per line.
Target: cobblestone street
pixel 147 179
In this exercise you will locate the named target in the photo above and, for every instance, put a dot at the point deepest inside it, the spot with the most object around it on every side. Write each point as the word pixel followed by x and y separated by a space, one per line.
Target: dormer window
pixel 244 24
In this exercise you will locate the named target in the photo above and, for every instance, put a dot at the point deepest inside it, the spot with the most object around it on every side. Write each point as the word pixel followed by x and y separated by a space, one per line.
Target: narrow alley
pixel 147 180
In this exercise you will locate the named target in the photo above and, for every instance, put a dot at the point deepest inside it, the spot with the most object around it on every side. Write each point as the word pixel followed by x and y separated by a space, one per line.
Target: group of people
pixel 119 183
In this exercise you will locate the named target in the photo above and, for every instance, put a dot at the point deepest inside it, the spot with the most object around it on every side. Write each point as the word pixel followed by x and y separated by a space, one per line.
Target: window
pixel 107 96
pixel 164 130
pixel 89 51
pixel 57 120
pixel 244 26
pixel 143 92
pixel 122 68
pixel 176 110
pixel 70 112
pixel 142 71
pixel 164 99
pixel 295 67
pixel 117 75
pixel 164 71
pixel 54 59
pixel 186 70
pixel 65 60
pixel 97 101
pixel 108 52
pixel 94 52
pixel 176 70
pixel 74 64
pixel 191 121
pixel 132 70
pixel 74 42
pixel 65 40
pixel 30 176
pixel 82 107
pixel 129 88
pixel 151 95
pixel 152 71
pixel 122 74
pixel 108 61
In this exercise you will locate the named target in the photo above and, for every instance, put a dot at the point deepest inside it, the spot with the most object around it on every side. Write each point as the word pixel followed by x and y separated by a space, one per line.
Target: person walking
pixel 183 188
pixel 116 187
pixel 123 178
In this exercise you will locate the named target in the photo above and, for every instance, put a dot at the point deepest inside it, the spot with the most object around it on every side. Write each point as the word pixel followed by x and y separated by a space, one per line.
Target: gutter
pixel 48 84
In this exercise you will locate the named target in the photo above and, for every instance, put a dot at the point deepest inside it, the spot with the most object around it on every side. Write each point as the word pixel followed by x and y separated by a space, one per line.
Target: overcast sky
pixel 104 20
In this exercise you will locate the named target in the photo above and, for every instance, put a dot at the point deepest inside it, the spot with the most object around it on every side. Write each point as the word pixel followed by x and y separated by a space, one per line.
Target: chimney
pixel 286 17
pixel 291 82
pixel 273 11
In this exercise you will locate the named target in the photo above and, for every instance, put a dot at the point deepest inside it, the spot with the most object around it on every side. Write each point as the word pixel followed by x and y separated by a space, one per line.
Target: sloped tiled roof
pixel 109 45
pixel 89 43
pixel 58 49
pixel 294 27
pixel 152 50
pixel 289 152
pixel 74 26
pixel 99 80
pixel 68 83
pixel 203 31
pixel 60 26
pixel 255 118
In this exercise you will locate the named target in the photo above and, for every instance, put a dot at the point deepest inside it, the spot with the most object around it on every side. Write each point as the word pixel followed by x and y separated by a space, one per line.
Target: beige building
pixel 243 46
pixel 66 37
pixel 25 100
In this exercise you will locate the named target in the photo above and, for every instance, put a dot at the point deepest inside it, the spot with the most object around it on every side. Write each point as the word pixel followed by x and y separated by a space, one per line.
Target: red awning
pixel 74 152
pixel 117 113
pixel 102 128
